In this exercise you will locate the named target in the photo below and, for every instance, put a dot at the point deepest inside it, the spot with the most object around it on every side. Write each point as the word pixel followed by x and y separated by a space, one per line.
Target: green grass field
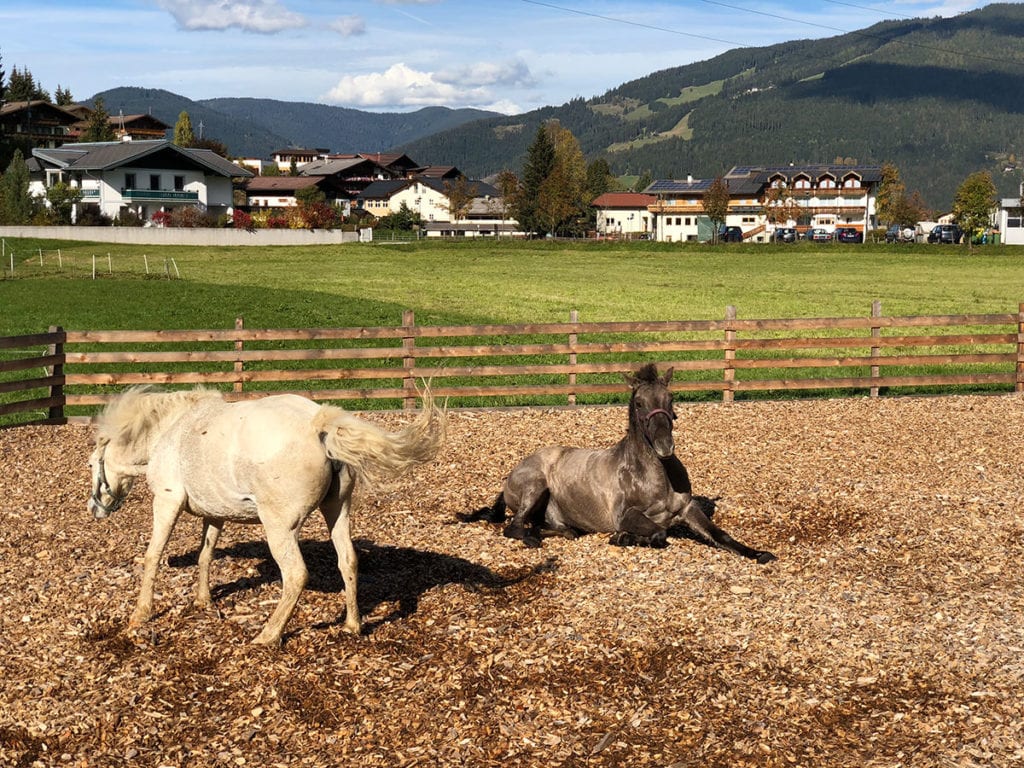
pixel 490 281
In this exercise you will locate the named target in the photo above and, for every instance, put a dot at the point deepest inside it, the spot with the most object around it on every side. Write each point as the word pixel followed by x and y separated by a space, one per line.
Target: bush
pixel 128 218
pixel 161 219
pixel 242 220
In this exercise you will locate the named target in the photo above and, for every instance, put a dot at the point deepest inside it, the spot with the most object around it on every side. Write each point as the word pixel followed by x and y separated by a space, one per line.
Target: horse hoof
pixel 531 542
pixel 658 540
pixel 765 557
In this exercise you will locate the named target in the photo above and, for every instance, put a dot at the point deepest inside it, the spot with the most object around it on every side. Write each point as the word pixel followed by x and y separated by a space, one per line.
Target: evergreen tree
pixel 22 87
pixel 643 182
pixel 15 203
pixel 98 127
pixel 3 83
pixel 540 160
pixel 183 134
pixel 63 97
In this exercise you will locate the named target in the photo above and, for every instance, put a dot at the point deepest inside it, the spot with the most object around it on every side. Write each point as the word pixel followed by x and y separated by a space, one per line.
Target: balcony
pixel 160 195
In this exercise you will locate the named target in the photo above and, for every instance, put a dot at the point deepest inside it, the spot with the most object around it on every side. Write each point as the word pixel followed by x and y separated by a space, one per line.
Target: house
pixel 36 123
pixel 345 177
pixel 296 156
pixel 1010 220
pixel 125 127
pixel 764 197
pixel 400 165
pixel 281 191
pixel 143 177
pixel 429 199
pixel 624 214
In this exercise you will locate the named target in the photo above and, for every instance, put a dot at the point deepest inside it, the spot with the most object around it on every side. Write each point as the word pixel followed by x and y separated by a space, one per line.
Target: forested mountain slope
pixel 940 98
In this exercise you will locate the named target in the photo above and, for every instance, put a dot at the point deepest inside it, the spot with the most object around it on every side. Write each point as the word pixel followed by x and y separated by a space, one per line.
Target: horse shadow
pixel 388 575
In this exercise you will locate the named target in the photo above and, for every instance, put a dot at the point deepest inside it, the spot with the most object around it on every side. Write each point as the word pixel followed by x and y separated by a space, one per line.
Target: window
pixel 1013 222
pixel 129 181
pixel 154 182
pixel 179 183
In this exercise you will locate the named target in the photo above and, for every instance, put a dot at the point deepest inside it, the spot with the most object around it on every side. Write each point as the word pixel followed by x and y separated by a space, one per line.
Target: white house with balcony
pixel 144 177
pixel 814 196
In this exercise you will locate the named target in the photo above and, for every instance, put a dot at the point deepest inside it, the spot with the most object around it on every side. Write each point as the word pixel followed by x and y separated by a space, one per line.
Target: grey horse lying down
pixel 636 490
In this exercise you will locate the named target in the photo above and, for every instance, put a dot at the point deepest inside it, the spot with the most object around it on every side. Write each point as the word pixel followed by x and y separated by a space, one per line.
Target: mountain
pixel 940 98
pixel 257 127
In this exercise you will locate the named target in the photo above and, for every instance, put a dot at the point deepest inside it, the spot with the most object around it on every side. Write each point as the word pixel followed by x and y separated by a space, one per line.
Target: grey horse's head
pixel 650 408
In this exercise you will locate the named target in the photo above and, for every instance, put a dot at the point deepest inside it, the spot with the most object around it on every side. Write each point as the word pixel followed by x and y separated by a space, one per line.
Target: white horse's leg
pixel 284 546
pixel 211 532
pixel 336 515
pixel 165 515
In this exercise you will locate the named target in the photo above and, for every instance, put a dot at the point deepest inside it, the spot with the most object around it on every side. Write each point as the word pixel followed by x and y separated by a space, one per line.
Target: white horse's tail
pixel 375 455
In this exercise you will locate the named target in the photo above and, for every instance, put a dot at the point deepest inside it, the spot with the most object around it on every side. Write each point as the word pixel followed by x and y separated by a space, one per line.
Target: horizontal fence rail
pixel 62 374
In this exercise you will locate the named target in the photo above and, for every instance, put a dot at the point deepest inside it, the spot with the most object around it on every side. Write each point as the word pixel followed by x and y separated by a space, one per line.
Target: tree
pixel 63 97
pixel 98 127
pixel 183 133
pixel 540 160
pixel 15 202
pixel 3 83
pixel 460 194
pixel 973 204
pixel 63 198
pixel 716 205
pixel 780 207
pixel 891 195
pixel 643 181
pixel 22 87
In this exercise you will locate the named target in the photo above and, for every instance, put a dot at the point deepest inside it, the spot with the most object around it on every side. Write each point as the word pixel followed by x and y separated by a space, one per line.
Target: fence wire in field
pixel 94 266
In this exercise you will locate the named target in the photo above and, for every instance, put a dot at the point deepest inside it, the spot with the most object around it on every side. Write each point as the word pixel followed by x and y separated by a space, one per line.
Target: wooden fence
pixel 62 374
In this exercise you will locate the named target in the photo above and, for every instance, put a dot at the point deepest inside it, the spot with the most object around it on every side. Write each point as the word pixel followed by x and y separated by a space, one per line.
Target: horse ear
pixel 667 376
pixel 631 380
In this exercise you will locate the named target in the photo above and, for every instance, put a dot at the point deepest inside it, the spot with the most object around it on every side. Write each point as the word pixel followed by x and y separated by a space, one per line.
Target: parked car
pixel 848 235
pixel 945 233
pixel 785 235
pixel 730 234
pixel 898 233
pixel 819 235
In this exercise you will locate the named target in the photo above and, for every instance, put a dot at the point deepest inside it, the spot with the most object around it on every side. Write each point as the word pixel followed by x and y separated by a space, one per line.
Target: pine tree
pixel 63 97
pixel 15 201
pixel 540 160
pixel 98 128
pixel 183 134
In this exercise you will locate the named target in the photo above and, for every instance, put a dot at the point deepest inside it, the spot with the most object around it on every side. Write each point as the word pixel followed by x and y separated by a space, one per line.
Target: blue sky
pixel 398 55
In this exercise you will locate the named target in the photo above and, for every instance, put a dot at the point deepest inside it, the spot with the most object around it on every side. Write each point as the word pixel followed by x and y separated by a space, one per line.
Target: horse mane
pixel 132 415
pixel 648 374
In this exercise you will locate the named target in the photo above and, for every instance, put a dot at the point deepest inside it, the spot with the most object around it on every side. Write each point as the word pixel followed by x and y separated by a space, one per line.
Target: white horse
pixel 269 461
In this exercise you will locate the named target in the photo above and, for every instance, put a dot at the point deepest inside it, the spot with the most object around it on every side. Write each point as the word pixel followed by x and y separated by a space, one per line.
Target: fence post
pixel 56 412
pixel 1019 384
pixel 729 372
pixel 876 332
pixel 239 365
pixel 409 359
pixel 574 317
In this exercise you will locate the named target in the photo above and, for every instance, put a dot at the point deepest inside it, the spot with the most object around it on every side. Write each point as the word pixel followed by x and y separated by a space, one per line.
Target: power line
pixel 779 17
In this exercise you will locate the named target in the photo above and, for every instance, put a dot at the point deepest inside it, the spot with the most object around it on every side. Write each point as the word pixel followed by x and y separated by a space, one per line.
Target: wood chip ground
pixel 890 632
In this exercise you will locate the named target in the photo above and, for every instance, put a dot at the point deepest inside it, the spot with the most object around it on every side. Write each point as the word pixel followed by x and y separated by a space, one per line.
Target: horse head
pixel 650 408
pixel 110 485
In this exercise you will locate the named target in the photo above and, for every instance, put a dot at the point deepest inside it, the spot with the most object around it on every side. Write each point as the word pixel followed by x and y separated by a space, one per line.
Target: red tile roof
pixel 624 200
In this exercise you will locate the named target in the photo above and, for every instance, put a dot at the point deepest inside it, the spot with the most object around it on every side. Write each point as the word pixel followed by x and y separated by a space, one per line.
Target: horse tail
pixel 375 455
pixel 492 514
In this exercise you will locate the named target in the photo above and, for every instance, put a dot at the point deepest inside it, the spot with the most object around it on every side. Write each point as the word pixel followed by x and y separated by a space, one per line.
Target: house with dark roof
pixel 804 197
pixel 624 214
pixel 281 191
pixel 144 177
pixel 36 123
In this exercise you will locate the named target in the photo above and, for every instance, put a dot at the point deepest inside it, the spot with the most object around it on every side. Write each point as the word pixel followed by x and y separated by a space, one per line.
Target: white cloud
pixel 265 16
pixel 509 74
pixel 349 26
pixel 402 86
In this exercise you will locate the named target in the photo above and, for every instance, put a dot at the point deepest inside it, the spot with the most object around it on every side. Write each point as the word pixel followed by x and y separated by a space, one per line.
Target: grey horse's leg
pixel 165 515
pixel 693 517
pixel 528 517
pixel 336 508
pixel 211 532
pixel 284 546
pixel 638 530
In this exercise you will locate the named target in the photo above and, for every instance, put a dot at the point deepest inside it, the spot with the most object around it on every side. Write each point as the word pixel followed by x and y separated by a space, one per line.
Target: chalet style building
pixel 142 177
pixel 763 198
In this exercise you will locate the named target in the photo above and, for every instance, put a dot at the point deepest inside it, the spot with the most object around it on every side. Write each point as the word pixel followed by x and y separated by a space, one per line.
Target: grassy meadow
pixel 490 282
